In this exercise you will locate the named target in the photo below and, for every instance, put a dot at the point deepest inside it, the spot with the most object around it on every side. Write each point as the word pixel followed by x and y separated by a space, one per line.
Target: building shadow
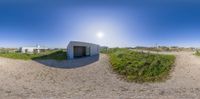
pixel 68 64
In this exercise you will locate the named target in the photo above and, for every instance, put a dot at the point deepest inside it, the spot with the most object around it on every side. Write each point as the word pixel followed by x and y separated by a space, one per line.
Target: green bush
pixel 139 66
pixel 197 53
pixel 104 50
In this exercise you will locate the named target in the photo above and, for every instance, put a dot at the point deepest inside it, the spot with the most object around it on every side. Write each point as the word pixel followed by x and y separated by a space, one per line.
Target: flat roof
pixel 71 42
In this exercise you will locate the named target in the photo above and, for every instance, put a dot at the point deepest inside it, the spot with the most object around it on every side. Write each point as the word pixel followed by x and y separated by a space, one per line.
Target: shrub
pixel 139 66
pixel 197 53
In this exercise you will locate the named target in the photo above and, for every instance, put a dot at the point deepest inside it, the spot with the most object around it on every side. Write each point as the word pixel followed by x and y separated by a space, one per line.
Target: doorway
pixel 79 51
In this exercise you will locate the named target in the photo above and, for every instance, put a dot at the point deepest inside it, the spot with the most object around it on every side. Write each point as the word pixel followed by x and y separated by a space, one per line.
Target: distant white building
pixel 76 49
pixel 34 49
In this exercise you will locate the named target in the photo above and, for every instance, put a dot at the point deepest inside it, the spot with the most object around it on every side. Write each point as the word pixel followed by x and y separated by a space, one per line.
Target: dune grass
pixel 56 55
pixel 141 67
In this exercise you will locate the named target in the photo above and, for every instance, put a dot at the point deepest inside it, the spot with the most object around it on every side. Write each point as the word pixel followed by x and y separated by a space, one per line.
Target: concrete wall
pixel 94 48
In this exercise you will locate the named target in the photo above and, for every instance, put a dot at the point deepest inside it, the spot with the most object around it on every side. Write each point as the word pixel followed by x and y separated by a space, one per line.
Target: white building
pixel 76 49
pixel 34 49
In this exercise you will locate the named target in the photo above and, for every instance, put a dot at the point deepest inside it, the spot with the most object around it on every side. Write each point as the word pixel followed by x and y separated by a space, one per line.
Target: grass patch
pixel 141 67
pixel 56 55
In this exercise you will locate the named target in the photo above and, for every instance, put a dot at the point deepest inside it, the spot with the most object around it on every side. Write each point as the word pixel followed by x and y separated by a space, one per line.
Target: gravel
pixel 21 79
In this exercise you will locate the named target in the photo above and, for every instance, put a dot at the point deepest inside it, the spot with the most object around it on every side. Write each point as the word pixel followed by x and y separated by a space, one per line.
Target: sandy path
pixel 31 79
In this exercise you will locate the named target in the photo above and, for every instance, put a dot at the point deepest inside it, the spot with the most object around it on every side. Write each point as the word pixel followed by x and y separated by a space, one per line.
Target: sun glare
pixel 100 35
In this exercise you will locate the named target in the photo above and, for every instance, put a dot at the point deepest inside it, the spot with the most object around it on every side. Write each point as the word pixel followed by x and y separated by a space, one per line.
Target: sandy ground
pixel 39 80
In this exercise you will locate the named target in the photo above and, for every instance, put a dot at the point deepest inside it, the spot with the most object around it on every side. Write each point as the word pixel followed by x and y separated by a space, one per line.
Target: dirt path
pixel 32 79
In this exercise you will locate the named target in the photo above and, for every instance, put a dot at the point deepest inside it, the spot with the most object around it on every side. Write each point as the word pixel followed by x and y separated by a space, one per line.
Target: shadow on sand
pixel 69 64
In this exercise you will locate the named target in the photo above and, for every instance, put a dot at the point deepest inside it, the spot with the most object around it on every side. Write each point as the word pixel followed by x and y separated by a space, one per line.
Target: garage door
pixel 79 51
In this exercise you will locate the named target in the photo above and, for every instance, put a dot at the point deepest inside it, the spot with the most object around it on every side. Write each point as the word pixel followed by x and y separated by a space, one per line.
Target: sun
pixel 100 35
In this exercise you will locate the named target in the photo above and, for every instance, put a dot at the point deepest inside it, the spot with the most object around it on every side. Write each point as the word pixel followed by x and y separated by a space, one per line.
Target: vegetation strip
pixel 56 55
pixel 139 66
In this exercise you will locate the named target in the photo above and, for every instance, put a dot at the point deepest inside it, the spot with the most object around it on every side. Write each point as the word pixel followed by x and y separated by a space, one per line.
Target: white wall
pixel 30 50
pixel 94 48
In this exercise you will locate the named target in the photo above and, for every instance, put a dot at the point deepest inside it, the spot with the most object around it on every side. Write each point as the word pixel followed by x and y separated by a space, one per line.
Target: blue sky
pixel 123 23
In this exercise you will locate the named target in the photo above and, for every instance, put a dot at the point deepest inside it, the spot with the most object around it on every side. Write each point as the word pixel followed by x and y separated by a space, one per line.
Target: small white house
pixel 34 49
pixel 76 49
